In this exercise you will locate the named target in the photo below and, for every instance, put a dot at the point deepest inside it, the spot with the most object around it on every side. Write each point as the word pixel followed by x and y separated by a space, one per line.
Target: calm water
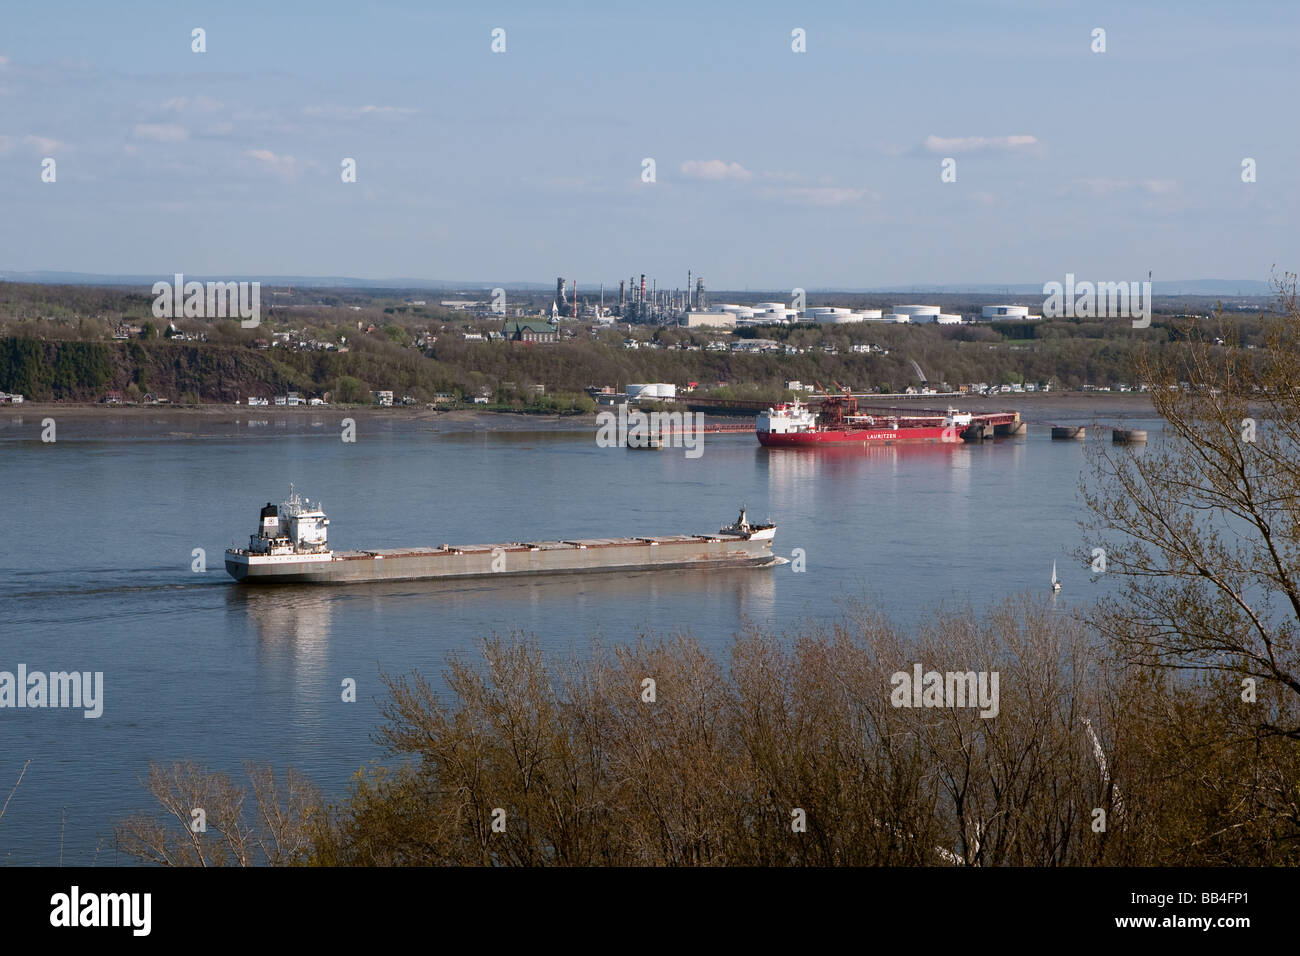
pixel 98 529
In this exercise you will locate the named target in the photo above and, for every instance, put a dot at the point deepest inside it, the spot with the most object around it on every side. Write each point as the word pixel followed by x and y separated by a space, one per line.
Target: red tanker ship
pixel 792 424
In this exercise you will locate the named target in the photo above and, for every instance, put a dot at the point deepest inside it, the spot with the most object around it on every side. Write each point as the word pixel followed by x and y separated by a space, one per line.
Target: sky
pixel 772 168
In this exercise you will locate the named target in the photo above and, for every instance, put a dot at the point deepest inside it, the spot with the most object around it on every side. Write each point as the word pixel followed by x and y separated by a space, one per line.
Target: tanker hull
pixel 475 561
pixel 865 436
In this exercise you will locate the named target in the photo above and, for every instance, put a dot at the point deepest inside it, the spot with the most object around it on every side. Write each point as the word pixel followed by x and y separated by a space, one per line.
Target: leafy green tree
pixel 350 391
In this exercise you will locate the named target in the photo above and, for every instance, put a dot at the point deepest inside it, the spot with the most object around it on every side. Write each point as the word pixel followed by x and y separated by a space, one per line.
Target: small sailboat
pixel 1056 585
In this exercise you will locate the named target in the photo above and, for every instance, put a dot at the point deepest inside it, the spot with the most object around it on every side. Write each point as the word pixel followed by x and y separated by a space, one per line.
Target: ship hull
pixel 481 561
pixel 853 436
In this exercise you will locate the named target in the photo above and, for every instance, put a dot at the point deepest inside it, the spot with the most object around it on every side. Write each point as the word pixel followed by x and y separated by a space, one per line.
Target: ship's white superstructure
pixel 787 418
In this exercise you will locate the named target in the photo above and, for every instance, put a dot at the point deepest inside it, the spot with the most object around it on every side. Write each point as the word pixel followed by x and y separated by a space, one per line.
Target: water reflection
pixel 787 468
pixel 297 619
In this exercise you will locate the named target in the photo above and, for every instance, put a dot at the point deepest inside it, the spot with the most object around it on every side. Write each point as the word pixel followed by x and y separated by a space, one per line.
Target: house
pixel 530 330
pixel 254 400
pixel 383 398
pixel 112 398
pixel 7 398
pixel 756 345
pixel 295 399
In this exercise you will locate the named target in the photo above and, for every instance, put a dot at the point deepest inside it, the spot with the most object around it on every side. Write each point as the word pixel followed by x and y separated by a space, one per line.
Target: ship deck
pixel 529 546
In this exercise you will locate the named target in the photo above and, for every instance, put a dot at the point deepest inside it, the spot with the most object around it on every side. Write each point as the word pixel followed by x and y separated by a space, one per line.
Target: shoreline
pixel 89 420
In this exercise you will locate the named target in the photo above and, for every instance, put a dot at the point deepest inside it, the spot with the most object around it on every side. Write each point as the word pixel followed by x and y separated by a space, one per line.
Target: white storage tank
pixel 652 390
pixel 918 313
pixel 832 316
pixel 1006 311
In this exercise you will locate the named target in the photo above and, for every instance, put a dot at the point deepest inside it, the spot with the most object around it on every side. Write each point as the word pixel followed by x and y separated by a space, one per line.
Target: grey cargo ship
pixel 290 547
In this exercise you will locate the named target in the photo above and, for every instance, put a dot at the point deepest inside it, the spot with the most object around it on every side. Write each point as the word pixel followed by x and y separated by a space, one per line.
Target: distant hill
pixel 313 282
pixel 1210 287
pixel 1173 287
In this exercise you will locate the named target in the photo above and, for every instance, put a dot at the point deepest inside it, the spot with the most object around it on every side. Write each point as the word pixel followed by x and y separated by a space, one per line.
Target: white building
pixel 756 345
pixel 927 313
pixel 652 390
pixel 710 319
pixel 775 313
pixel 383 397
pixel 831 315
pixel 991 312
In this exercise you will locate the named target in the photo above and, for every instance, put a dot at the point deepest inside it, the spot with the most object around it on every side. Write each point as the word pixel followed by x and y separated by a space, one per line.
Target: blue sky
pixel 774 169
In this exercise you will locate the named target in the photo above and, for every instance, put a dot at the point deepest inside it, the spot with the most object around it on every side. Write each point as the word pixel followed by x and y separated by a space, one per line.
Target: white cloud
pixel 1101 186
pixel 982 198
pixel 6 144
pixel 818 195
pixel 346 112
pixel 715 169
pixel 201 104
pixel 950 146
pixel 1159 187
pixel 43 143
pixel 4 61
pixel 282 164
pixel 161 132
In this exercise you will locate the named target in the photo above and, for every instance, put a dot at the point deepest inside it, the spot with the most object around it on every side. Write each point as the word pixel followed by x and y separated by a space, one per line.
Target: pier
pixel 1119 436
